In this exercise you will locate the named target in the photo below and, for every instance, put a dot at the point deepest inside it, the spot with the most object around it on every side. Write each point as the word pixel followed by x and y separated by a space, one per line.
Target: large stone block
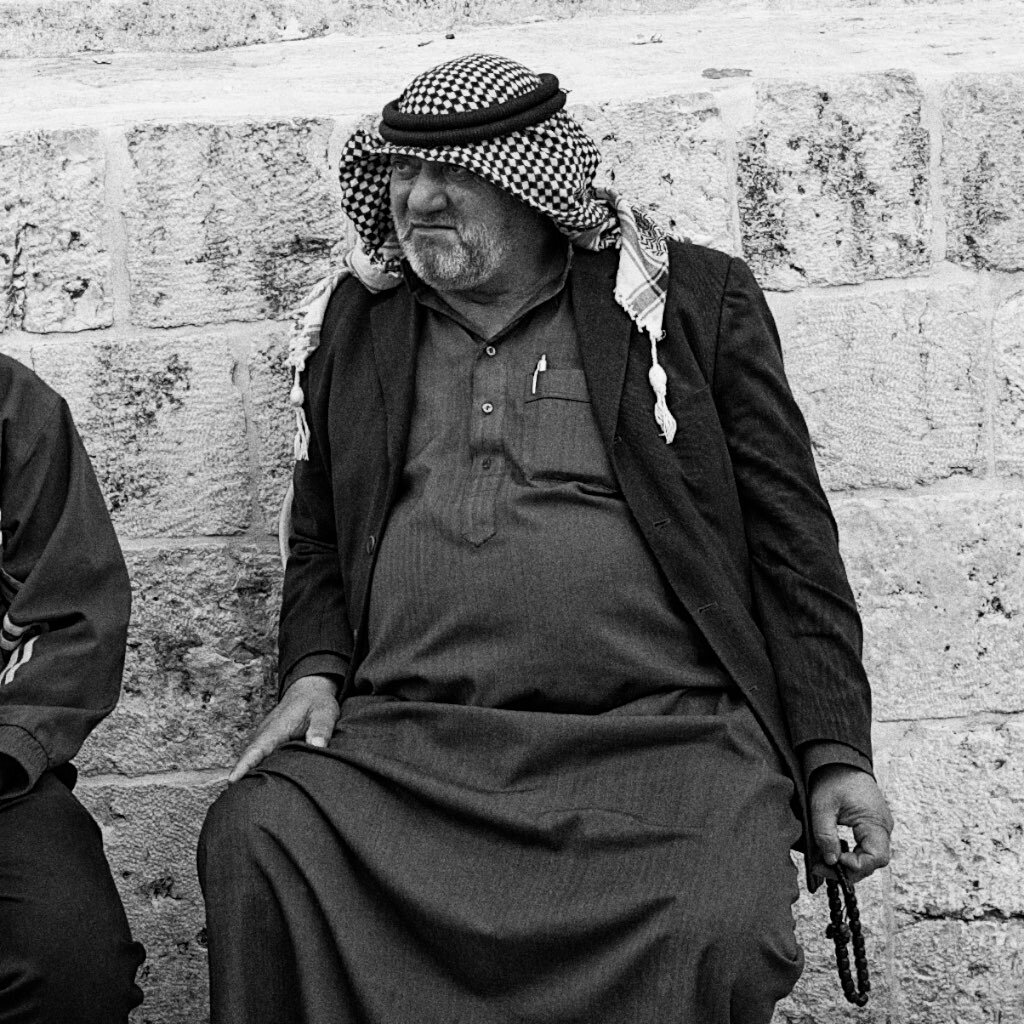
pixel 940 584
pixel 671 156
pixel 200 668
pixel 957 794
pixel 1008 328
pixel 40 28
pixel 892 384
pixel 150 831
pixel 983 176
pixel 270 382
pixel 228 221
pixel 834 182
pixel 164 426
pixel 51 28
pixel 17 346
pixel 54 265
pixel 952 972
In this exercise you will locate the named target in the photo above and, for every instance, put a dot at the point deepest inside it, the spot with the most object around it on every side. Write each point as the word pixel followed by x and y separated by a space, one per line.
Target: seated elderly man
pixel 569 660
pixel 66 955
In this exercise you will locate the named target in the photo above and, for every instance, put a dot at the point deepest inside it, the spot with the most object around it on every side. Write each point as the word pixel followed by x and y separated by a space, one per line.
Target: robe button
pixel 371 543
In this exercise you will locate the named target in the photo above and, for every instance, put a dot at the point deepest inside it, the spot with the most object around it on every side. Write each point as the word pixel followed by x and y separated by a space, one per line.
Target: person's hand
pixel 308 710
pixel 843 795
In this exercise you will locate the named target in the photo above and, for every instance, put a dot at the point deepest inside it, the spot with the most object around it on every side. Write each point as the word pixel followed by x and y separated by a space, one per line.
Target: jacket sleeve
pixel 314 636
pixel 64 631
pixel 802 598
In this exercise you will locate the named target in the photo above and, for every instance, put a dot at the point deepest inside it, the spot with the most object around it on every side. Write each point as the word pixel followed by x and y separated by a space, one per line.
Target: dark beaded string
pixel 842 933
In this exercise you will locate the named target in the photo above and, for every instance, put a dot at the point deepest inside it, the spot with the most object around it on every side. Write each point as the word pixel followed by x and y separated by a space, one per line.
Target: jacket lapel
pixel 604 332
pixel 658 479
pixel 395 326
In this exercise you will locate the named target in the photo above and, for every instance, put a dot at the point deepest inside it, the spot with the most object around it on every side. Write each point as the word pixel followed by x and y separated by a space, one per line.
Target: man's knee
pixel 752 958
pixel 239 827
pixel 767 969
pixel 59 966
pixel 67 952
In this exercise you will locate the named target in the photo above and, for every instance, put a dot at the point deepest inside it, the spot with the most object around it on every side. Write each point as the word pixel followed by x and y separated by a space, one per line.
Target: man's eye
pixel 403 168
pixel 453 172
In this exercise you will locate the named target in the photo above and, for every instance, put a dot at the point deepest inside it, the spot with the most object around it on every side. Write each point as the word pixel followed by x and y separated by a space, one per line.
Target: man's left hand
pixel 843 795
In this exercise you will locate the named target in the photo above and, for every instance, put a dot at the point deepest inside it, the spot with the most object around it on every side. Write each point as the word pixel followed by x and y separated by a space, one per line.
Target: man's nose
pixel 427 194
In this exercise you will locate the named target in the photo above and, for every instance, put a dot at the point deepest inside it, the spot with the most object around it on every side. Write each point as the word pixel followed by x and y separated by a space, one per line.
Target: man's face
pixel 459 232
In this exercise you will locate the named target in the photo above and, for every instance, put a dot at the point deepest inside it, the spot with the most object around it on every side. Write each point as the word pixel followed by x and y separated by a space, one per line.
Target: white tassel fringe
pixel 659 383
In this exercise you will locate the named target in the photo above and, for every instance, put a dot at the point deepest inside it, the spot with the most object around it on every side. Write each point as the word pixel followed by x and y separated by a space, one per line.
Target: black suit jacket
pixel 732 509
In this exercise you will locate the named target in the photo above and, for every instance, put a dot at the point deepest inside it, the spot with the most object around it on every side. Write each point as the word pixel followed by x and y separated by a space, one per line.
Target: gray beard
pixel 454 267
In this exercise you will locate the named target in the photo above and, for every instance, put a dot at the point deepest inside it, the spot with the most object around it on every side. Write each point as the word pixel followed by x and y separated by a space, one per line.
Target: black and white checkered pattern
pixel 549 166
pixel 467 83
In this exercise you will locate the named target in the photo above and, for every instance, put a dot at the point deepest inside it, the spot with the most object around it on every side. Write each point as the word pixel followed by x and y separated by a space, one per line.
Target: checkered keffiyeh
pixel 505 124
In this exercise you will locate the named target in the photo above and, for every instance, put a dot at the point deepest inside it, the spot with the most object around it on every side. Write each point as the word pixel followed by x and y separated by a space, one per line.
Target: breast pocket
pixel 561 441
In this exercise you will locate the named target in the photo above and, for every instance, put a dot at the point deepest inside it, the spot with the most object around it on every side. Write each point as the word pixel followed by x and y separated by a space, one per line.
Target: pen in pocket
pixel 542 365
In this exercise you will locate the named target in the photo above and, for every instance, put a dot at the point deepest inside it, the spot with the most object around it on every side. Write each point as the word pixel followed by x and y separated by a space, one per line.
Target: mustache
pixel 425 222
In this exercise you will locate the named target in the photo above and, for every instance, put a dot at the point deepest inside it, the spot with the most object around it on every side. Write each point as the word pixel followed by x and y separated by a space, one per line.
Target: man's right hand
pixel 308 710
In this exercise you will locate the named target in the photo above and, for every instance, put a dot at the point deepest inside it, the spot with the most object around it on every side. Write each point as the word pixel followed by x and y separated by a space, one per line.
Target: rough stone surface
pixel 957 794
pixel 983 123
pixel 150 832
pixel 273 423
pixel 953 972
pixel 46 28
pixel 671 155
pixel 818 997
pixel 940 584
pixel 50 28
pixel 164 426
pixel 834 182
pixel 54 266
pixel 228 222
pixel 1009 373
pixel 597 58
pixel 433 15
pixel 892 383
pixel 201 661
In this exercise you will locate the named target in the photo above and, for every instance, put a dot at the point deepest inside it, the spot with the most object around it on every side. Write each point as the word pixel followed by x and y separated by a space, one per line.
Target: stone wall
pixel 47 28
pixel 161 213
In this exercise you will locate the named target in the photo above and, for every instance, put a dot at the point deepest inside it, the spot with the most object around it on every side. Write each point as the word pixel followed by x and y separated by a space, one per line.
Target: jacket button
pixel 371 543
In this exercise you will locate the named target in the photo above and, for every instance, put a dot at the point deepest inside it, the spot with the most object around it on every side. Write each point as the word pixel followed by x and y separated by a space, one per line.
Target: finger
pixel 321 724
pixel 266 741
pixel 826 835
pixel 822 871
pixel 251 756
pixel 870 855
pixel 857 866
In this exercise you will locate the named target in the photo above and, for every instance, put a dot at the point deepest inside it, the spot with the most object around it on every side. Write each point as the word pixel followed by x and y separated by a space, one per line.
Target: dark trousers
pixel 66 953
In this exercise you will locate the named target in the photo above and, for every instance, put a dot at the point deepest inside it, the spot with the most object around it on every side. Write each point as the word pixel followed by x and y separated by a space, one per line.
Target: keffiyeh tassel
pixel 659 384
pixel 641 288
pixel 301 445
